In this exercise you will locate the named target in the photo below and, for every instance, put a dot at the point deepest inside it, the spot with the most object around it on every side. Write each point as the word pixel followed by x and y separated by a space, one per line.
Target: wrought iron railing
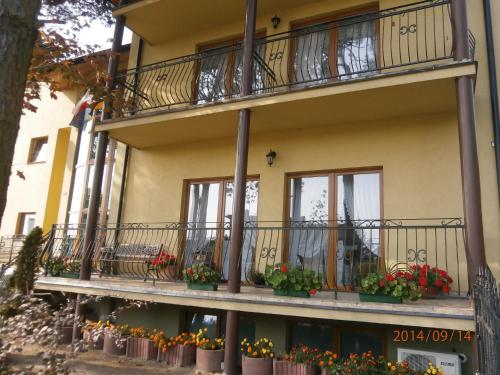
pixel 390 40
pixel 342 252
pixel 10 247
pixel 486 294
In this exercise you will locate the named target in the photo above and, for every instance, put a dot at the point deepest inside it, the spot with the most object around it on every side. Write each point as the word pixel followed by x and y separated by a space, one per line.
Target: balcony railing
pixel 342 252
pixel 391 40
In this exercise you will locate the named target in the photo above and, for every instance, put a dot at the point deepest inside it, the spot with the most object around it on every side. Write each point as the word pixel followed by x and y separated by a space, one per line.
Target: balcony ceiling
pixel 159 20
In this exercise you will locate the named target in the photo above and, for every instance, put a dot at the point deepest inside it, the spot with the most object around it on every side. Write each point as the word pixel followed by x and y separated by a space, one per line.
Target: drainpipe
pixel 492 73
pixel 240 175
pixel 100 159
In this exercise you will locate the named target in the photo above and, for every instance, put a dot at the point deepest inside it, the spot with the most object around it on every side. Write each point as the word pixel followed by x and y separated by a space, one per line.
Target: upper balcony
pixel 360 65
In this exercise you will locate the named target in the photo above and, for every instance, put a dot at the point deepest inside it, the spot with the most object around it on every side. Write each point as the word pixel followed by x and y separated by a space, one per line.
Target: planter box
pixel 209 360
pixel 91 343
pixel 180 355
pixel 110 347
pixel 254 366
pixel 210 287
pixel 70 275
pixel 428 293
pixel 291 293
pixel 140 347
pixel 381 298
pixel 289 368
pixel 66 335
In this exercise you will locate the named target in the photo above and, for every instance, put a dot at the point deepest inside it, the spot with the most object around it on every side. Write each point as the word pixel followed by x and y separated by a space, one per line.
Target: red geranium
pixel 284 268
pixel 390 278
pixel 313 292
pixel 423 281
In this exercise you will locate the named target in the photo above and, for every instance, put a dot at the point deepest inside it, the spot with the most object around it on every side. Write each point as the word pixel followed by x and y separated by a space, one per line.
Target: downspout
pixel 492 72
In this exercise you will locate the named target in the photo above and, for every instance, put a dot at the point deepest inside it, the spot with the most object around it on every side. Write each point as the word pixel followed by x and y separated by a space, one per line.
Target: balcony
pixel 123 265
pixel 359 65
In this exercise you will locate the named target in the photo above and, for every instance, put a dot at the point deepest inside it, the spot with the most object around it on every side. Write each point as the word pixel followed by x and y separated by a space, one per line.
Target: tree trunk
pixel 18 33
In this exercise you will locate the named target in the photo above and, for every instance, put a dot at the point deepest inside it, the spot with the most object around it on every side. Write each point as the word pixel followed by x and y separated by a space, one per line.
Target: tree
pixel 26 263
pixel 37 45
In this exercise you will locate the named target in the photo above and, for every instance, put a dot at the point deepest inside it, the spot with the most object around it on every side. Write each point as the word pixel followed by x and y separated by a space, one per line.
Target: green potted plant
pixel 209 352
pixel 201 277
pixel 63 267
pixel 55 266
pixel 287 280
pixel 257 357
pixel 389 288
pixel 257 278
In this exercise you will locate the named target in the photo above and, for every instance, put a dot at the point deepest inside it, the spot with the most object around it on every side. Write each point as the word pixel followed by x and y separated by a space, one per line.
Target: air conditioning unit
pixel 419 360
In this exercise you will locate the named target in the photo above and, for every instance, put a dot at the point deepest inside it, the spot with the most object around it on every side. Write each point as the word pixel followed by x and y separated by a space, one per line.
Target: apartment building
pixel 346 137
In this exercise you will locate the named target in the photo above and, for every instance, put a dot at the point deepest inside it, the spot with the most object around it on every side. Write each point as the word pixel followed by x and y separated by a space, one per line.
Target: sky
pixel 99 34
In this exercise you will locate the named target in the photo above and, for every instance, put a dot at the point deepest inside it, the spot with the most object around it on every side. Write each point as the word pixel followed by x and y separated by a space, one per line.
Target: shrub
pixel 24 276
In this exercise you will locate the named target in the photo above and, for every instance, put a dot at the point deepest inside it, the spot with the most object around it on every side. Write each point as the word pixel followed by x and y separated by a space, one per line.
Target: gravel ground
pixel 93 363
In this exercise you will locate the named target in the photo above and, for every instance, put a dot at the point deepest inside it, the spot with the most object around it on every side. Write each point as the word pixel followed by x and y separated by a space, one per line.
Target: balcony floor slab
pixel 444 313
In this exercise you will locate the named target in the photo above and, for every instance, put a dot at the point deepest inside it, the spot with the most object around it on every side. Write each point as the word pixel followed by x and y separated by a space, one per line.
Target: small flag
pixel 79 111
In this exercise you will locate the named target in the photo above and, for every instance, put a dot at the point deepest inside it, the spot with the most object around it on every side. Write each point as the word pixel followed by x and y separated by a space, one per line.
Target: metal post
pixel 240 174
pixel 100 160
pixel 471 188
pixel 468 146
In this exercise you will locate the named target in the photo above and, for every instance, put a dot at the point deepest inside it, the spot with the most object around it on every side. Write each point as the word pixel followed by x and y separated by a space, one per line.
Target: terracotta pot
pixel 254 366
pixel 91 342
pixel 66 335
pixel 209 360
pixel 289 368
pixel 180 355
pixel 110 347
pixel 428 292
pixel 141 347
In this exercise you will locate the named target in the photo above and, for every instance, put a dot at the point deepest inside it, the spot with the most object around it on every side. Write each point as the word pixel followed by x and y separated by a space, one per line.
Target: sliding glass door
pixel 331 219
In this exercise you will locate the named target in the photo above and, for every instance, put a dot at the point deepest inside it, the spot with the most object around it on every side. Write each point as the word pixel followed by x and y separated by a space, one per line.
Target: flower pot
pixel 66 335
pixel 209 360
pixel 70 275
pixel 95 343
pixel 180 355
pixel 210 287
pixel 428 292
pixel 381 298
pixel 111 347
pixel 254 366
pixel 141 347
pixel 291 293
pixel 289 368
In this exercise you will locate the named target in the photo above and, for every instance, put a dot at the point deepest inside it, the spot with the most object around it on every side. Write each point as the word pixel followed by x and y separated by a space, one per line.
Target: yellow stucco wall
pixel 31 194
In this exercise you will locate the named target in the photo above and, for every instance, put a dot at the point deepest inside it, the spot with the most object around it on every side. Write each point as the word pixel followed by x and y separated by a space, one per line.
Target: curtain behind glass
pixel 212 76
pixel 308 240
pixel 249 234
pixel 356 48
pixel 257 67
pixel 312 50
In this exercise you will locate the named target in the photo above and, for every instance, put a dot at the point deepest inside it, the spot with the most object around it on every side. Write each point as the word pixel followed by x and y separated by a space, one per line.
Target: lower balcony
pixel 125 265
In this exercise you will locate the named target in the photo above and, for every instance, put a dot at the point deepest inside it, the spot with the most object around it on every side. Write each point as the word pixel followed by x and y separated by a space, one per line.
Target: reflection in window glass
pixel 312 51
pixel 358 201
pixel 360 342
pixel 249 235
pixel 313 335
pixel 197 321
pixel 38 150
pixel 202 218
pixel 308 240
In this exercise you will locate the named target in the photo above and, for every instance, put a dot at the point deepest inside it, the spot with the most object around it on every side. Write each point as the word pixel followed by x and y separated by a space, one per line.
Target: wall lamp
pixel 271 155
pixel 276 21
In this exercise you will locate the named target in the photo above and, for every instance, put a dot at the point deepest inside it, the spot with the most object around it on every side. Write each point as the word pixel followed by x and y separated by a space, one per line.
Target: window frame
pixel 221 204
pixel 21 216
pixel 33 144
pixel 333 47
pixel 332 175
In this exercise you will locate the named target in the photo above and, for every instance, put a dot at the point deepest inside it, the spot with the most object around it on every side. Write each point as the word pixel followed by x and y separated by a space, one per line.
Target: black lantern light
pixel 271 155
pixel 276 21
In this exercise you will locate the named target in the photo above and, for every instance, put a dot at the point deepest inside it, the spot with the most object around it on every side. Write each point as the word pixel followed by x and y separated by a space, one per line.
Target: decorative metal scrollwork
pixel 276 56
pixel 419 256
pixel 412 29
pixel 268 252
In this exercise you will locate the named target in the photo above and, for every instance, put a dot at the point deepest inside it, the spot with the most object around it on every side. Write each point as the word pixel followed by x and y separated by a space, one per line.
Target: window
pixel 38 150
pixel 26 223
pixel 198 320
pixel 354 341
pixel 329 215
pixel 334 48
pixel 221 68
pixel 312 334
pixel 209 212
